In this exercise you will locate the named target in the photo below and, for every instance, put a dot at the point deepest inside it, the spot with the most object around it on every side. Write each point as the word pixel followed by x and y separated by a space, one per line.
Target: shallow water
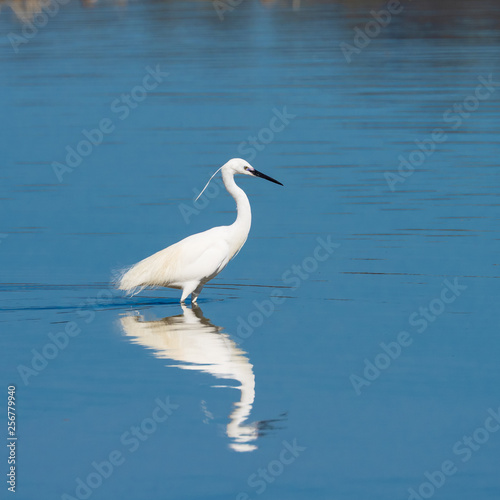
pixel 220 394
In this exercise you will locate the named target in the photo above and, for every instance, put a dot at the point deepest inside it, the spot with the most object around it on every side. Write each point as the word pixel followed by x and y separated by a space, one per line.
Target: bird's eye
pixel 246 168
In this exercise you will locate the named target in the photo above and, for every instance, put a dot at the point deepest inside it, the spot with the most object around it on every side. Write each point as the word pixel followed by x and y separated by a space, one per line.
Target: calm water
pixel 308 397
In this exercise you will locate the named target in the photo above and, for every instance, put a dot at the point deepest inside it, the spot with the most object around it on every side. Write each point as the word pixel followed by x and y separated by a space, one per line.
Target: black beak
pixel 264 176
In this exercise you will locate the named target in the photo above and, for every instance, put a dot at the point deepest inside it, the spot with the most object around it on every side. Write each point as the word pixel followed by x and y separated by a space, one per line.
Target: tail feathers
pixel 148 273
pixel 130 281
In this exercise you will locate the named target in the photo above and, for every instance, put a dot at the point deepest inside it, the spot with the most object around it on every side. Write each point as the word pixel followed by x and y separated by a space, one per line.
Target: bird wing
pixel 196 258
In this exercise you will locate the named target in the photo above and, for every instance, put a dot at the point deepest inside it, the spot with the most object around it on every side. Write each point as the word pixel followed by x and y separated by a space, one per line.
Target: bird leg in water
pixel 194 295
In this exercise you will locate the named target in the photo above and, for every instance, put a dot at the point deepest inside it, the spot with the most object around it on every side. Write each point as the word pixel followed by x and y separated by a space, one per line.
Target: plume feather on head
pixel 208 183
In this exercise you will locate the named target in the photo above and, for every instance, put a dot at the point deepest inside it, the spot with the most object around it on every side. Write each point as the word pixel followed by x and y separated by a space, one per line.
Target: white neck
pixel 244 218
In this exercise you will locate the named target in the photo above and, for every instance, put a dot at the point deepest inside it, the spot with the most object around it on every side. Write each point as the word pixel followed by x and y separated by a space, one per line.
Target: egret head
pixel 239 166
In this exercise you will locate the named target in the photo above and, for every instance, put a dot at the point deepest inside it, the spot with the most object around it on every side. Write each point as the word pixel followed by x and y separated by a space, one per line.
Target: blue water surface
pixel 351 349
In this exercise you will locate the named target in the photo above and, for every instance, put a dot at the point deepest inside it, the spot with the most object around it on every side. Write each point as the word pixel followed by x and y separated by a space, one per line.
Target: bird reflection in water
pixel 195 343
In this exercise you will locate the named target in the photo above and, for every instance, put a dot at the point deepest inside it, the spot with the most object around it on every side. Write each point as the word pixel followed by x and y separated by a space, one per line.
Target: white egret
pixel 190 263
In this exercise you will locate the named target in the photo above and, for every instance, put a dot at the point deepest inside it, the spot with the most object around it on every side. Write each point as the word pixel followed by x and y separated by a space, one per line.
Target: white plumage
pixel 190 263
